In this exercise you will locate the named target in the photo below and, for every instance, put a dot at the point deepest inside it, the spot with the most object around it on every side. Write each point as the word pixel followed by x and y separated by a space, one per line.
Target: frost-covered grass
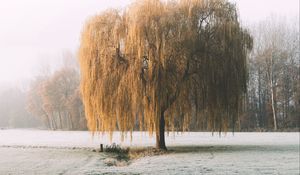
pixel 69 152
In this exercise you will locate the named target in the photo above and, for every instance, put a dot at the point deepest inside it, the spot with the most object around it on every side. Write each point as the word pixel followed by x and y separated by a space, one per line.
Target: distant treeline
pixel 273 98
pixel 55 99
pixel 52 100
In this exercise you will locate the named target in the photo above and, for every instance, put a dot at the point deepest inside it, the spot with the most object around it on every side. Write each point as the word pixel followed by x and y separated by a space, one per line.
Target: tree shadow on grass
pixel 230 148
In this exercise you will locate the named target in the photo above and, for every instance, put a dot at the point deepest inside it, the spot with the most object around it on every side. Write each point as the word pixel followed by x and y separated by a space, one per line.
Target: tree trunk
pixel 259 121
pixel 60 120
pixel 273 109
pixel 48 122
pixel 71 125
pixel 53 121
pixel 160 134
pixel 271 81
pixel 272 94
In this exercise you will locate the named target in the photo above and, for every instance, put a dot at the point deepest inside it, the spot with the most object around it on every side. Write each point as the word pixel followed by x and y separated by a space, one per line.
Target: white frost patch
pixel 140 139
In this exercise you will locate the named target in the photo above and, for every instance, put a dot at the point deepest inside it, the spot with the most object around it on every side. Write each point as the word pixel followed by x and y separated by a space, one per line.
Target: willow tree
pixel 157 62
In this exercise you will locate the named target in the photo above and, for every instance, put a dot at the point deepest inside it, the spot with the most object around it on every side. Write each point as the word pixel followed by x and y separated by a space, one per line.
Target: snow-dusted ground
pixel 69 152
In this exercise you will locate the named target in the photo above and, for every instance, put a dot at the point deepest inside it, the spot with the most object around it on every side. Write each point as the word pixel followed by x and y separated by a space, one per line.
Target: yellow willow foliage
pixel 178 59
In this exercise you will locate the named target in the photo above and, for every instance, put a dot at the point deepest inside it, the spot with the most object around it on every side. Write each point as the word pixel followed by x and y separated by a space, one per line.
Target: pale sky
pixel 36 32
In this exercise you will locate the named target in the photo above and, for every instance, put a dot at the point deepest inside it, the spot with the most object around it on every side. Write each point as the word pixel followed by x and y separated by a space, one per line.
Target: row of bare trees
pixel 274 76
pixel 55 99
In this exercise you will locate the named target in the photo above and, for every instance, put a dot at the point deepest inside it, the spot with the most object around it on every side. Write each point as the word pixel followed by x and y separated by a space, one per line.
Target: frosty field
pixel 70 152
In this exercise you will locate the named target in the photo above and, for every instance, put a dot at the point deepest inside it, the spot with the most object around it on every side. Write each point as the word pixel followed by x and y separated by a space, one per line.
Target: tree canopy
pixel 160 64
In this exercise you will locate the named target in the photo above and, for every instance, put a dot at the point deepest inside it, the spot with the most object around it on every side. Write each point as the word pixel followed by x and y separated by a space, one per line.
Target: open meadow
pixel 72 152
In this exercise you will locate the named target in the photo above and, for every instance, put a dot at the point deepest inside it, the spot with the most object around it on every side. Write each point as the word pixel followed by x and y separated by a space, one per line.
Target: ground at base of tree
pixel 70 152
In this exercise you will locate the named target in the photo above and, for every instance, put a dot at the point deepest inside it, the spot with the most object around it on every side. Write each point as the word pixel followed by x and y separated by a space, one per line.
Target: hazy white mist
pixel 34 33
